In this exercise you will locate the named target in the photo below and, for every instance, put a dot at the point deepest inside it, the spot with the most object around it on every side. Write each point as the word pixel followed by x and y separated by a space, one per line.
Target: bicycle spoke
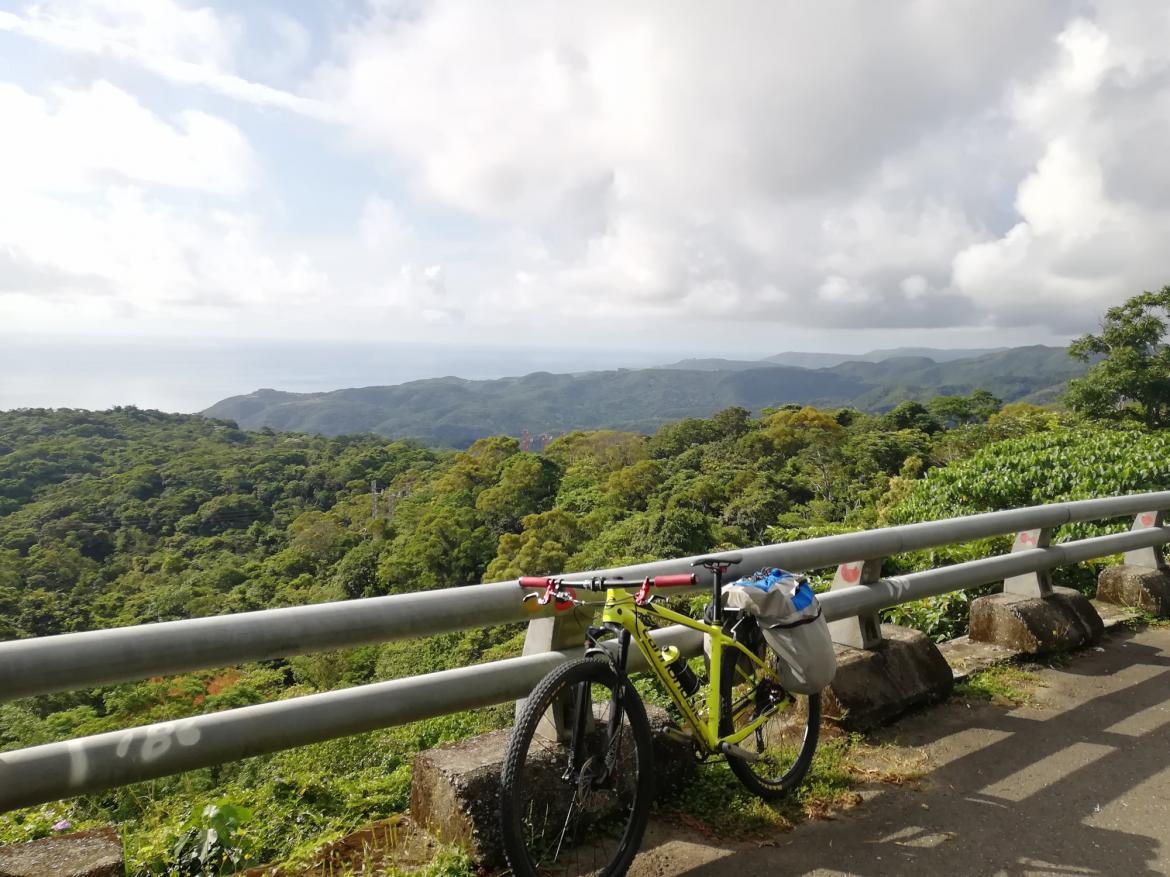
pixel 786 738
pixel 564 828
pixel 579 821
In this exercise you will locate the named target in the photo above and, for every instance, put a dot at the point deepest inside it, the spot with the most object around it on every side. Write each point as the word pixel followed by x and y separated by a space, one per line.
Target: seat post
pixel 717 592
pixel 718 566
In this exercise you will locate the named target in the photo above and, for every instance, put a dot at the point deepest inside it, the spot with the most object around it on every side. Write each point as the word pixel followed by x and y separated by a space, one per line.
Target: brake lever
pixel 561 597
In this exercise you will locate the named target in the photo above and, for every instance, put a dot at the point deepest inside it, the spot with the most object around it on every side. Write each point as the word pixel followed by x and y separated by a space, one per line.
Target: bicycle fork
pixel 582 714
pixel 600 769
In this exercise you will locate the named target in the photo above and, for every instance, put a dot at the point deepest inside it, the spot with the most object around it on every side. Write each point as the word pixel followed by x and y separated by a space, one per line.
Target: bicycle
pixel 576 783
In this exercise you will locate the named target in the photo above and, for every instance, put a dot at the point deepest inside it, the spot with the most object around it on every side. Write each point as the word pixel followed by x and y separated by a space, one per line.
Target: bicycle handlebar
pixel 673 581
pixel 602 583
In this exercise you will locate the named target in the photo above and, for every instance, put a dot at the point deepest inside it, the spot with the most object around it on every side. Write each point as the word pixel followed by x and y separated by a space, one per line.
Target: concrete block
pixel 1063 620
pixel 96 853
pixel 674 757
pixel 1137 586
pixel 967 657
pixel 455 788
pixel 875 686
pixel 1113 614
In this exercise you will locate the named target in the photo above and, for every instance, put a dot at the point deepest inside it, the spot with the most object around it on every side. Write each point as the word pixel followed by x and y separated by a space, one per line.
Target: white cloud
pixel 87 221
pixel 1093 215
pixel 858 165
pixel 131 255
pixel 116 214
pixel 290 49
pixel 383 229
pixel 198 35
pixel 74 139
pixel 186 46
pixel 725 161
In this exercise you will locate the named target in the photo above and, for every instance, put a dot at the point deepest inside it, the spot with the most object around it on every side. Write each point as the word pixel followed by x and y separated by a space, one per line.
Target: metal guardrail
pixel 81 660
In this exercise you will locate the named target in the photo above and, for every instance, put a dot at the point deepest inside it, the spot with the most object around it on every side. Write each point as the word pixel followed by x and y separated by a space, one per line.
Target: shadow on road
pixel 1077 785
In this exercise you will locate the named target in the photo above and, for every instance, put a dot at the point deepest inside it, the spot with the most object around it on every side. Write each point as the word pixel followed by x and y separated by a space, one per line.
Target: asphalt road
pixel 1073 785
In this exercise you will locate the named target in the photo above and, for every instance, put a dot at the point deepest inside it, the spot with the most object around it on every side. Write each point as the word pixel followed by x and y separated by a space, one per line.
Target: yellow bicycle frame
pixel 621 609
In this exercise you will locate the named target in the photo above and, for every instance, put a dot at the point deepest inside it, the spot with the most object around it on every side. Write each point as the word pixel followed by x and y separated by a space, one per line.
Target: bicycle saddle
pixel 712 562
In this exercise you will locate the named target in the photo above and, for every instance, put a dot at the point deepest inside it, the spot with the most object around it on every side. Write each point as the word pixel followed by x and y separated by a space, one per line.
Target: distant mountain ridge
pixel 451 411
pixel 829 360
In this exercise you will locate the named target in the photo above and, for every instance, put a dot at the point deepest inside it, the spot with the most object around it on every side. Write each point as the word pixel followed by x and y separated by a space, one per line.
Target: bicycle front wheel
pixel 780 752
pixel 576 803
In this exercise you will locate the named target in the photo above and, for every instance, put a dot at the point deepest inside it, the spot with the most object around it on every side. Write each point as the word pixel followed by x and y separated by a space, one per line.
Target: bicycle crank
pixel 740 753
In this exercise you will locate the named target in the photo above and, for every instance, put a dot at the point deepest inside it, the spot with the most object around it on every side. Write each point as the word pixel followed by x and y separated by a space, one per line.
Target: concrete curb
pixel 875 686
pixel 1061 621
pixel 96 853
pixel 1139 587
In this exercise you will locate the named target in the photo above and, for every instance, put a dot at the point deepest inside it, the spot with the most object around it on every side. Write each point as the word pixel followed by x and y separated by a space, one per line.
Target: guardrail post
pixel 1147 558
pixel 1031 616
pixel 863 631
pixel 879 675
pixel 565 630
pixel 1143 579
pixel 1032 584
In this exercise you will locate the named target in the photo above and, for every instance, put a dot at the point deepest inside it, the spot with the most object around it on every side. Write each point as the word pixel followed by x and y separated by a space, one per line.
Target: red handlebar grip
pixel 534 581
pixel 674 580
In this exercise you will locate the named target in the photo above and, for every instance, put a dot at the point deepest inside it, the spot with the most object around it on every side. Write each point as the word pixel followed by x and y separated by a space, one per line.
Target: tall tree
pixel 1132 382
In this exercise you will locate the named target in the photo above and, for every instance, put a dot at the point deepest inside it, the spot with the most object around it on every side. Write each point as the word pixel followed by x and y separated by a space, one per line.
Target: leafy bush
pixel 1045 467
pixel 216 843
pixel 1041 468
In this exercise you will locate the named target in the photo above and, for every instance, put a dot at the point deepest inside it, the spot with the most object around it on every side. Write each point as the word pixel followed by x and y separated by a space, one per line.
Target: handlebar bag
pixel 793 625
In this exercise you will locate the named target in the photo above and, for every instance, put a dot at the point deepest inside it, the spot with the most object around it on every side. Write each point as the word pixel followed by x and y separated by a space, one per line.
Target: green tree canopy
pixel 912 415
pixel 961 410
pixel 1132 381
pixel 528 483
pixel 543 547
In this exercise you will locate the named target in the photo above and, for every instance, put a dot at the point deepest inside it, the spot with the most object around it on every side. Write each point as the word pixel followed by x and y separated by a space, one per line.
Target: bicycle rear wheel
pixel 780 751
pixel 584 814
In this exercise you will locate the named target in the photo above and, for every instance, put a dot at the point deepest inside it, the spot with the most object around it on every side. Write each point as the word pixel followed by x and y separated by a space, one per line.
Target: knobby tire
pixel 787 742
pixel 589 821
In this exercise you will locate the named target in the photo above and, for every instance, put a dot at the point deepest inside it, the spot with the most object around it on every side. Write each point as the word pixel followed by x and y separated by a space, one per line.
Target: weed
pixel 717 805
pixel 1004 684
pixel 450 861
pixel 1143 618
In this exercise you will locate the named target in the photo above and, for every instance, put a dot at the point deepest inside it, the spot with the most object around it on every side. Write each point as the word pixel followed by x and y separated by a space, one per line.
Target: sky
pixel 643 180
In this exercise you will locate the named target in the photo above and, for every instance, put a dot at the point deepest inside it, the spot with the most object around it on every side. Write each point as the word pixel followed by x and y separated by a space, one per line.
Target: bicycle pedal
pixel 740 753
pixel 678 735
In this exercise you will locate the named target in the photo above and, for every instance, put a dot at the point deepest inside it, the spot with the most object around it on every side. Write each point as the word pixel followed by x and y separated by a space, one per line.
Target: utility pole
pixel 374 499
pixel 392 501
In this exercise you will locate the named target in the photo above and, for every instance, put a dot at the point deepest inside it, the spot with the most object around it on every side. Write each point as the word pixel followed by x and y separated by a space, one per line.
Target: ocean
pixel 189 375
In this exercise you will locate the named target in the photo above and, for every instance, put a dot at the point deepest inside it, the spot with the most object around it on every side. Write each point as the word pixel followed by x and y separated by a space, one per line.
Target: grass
pixel 716 804
pixel 450 861
pixel 390 848
pixel 1005 684
pixel 1143 618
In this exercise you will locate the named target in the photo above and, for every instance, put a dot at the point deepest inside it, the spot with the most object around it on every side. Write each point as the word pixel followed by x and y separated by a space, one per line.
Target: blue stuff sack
pixel 793 625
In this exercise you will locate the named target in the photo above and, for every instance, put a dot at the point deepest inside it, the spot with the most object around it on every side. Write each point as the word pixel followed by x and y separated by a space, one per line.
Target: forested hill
pixel 454 412
pixel 128 516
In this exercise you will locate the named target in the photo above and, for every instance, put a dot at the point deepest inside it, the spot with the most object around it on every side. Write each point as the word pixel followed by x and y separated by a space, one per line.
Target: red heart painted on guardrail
pixel 566 606
pixel 1147 520
pixel 849 572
